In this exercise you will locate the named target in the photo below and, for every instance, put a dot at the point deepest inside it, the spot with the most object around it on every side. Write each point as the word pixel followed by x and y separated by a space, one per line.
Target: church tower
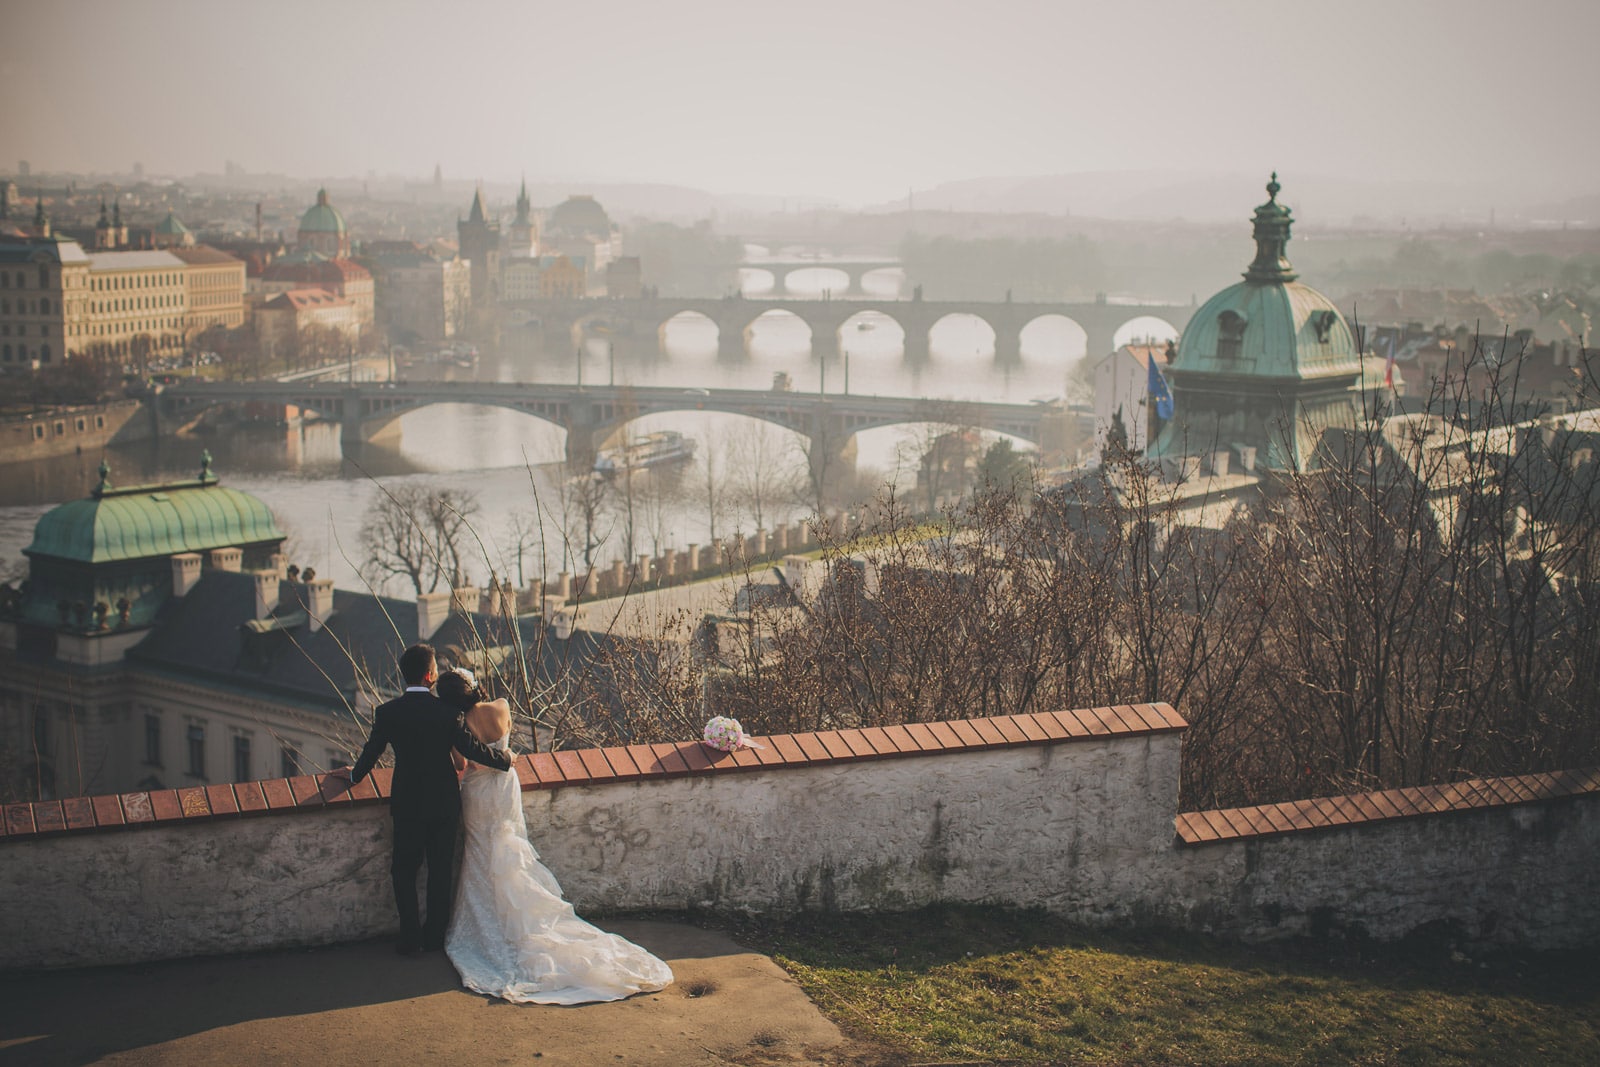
pixel 479 242
pixel 522 236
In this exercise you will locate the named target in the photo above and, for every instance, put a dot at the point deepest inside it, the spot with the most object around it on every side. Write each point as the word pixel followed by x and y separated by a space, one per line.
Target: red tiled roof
pixel 1332 813
pixel 547 770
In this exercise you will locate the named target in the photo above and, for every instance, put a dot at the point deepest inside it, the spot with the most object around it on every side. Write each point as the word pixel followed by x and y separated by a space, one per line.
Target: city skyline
pixel 855 103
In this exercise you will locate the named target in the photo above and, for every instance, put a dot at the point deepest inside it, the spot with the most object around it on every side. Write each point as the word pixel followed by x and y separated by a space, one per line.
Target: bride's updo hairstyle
pixel 459 689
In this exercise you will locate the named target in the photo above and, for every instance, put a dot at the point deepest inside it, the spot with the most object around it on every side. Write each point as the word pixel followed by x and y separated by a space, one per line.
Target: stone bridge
pixel 635 327
pixel 597 416
pixel 854 269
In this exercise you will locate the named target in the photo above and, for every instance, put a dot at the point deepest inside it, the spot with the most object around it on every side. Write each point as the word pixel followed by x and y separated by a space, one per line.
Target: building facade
pixel 45 295
pixel 421 297
pixel 214 284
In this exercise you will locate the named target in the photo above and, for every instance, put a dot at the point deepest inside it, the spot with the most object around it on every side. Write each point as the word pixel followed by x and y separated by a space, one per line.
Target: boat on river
pixel 652 450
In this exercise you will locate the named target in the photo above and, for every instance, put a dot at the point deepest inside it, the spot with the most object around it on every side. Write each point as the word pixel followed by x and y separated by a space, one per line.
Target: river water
pixel 512 463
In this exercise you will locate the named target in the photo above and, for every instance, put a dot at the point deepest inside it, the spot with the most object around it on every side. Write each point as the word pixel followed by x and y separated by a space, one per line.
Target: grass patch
pixel 992 984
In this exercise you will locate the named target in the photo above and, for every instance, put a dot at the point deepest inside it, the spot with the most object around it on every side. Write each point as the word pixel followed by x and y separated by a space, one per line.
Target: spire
pixel 116 214
pixel 105 478
pixel 478 214
pixel 322 197
pixel 105 221
pixel 38 208
pixel 524 206
pixel 1271 226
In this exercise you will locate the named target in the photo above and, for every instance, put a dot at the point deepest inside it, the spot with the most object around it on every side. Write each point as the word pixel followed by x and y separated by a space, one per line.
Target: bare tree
pixel 761 470
pixel 419 533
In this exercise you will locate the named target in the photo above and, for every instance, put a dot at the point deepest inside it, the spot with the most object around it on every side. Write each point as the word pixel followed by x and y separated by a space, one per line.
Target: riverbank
pixel 67 431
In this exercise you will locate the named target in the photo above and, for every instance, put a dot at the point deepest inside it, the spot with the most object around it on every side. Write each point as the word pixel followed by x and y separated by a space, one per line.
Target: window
pixel 44 306
pixel 288 761
pixel 44 276
pixel 99 422
pixel 44 353
pixel 152 740
pixel 241 758
pixel 82 424
pixel 1230 334
pixel 38 431
pixel 197 751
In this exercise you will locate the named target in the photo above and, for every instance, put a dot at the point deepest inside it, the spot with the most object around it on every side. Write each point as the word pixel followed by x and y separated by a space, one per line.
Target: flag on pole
pixel 1157 387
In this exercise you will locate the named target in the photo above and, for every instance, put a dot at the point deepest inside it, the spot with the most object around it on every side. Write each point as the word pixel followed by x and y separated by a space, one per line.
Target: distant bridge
pixel 854 269
pixel 597 416
pixel 635 327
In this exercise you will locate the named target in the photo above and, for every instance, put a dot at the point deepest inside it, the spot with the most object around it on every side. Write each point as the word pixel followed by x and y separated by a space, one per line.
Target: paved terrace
pixel 361 1004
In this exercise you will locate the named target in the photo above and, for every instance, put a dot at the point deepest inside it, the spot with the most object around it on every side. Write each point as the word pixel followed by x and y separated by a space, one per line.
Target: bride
pixel 511 934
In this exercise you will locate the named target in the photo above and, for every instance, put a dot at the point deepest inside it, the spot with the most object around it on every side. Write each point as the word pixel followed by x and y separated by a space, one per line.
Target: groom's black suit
pixel 425 801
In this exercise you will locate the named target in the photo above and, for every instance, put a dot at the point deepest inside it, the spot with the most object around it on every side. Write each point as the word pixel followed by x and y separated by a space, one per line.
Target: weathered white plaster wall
pixel 1527 875
pixel 1080 828
pixel 1084 828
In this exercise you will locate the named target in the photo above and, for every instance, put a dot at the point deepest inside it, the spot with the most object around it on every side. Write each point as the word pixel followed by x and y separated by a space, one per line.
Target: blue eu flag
pixel 1159 392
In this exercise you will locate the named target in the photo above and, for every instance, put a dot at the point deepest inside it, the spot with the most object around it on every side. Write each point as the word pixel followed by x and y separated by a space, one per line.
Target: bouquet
pixel 726 735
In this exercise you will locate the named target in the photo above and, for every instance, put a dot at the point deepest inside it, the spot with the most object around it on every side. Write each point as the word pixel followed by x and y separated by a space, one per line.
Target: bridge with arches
pixel 635 327
pixel 853 269
pixel 596 417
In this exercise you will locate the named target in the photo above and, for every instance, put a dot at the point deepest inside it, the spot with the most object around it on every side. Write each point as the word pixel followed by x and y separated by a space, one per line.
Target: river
pixel 508 460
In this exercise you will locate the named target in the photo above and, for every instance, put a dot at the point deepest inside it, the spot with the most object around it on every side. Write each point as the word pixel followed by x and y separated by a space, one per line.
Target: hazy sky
pixel 853 99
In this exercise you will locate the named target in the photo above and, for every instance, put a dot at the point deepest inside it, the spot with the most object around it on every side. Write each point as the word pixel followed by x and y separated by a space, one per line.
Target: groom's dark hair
pixel 416 663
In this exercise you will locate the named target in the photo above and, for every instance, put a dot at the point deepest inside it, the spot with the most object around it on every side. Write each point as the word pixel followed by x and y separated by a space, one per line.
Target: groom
pixel 425 799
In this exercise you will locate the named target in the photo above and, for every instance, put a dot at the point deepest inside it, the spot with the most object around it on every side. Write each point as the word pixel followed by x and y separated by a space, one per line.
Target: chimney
pixel 567 620
pixel 795 574
pixel 564 585
pixel 1247 458
pixel 1219 463
pixel 869 578
pixel 642 573
pixel 491 598
pixel 266 593
pixel 185 572
pixel 319 602
pixel 464 600
pixel 227 559
pixel 552 605
pixel 432 610
pixel 278 563
pixel 694 558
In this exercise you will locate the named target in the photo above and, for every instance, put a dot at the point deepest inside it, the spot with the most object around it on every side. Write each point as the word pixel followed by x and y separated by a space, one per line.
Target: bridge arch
pixel 1053 338
pixel 784 333
pixel 1144 328
pixel 688 333
pixel 756 280
pixel 885 283
pixel 814 282
pixel 962 335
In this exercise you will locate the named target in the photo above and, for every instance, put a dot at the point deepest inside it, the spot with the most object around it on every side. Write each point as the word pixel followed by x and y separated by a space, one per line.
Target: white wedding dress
pixel 511 934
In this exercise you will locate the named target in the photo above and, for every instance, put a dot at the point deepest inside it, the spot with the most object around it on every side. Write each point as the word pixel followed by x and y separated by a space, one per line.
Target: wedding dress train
pixel 511 934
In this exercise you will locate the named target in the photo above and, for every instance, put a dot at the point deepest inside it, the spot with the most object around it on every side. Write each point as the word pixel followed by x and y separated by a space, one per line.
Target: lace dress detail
pixel 511 934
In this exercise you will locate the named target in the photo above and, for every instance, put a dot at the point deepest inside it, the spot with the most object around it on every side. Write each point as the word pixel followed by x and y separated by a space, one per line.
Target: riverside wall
pixel 1071 811
pixel 67 431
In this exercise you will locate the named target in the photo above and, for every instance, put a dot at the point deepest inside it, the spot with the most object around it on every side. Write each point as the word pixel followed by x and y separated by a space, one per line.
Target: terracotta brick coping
pixel 598 766
pixel 1359 809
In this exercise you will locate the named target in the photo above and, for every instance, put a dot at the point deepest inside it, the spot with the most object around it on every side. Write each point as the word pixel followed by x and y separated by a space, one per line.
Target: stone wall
pixel 74 430
pixel 1072 811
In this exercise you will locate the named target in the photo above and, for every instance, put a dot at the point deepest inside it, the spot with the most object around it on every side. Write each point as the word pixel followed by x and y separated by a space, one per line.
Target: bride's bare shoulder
pixel 488 720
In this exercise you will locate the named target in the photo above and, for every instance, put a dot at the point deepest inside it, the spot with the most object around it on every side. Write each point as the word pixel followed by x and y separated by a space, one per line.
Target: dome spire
pixel 1271 225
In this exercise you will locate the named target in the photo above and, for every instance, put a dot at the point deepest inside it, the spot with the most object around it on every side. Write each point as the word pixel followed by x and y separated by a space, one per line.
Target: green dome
pixel 323 217
pixel 1268 330
pixel 149 521
pixel 171 226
